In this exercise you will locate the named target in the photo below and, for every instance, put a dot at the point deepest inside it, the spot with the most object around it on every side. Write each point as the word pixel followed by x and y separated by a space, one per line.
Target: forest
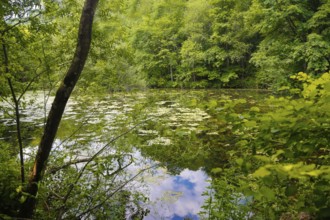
pixel 103 103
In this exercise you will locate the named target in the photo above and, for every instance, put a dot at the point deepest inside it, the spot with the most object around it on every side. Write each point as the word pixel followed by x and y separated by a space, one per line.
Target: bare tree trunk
pixel 18 129
pixel 55 115
pixel 17 112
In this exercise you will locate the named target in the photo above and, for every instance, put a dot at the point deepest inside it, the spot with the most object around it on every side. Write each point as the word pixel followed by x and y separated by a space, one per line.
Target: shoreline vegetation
pixel 237 88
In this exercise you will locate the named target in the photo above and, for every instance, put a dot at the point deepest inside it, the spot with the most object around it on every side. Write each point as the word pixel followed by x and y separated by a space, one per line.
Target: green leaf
pixel 242 143
pixel 254 109
pixel 240 161
pixel 261 172
pixel 267 192
pixel 250 124
pixel 263 158
pixel 212 104
pixel 216 170
pixel 22 199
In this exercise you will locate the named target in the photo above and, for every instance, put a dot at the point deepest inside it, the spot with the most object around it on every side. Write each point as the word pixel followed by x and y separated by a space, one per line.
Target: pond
pixel 177 136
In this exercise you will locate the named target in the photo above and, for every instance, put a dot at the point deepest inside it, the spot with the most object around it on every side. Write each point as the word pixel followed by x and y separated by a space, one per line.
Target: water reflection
pixel 176 197
pixel 180 133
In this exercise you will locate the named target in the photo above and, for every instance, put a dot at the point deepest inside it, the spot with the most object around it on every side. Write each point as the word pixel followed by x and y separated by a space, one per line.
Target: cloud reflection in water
pixel 176 197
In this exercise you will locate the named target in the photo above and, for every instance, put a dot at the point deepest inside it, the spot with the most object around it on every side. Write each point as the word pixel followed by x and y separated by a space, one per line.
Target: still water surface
pixel 170 128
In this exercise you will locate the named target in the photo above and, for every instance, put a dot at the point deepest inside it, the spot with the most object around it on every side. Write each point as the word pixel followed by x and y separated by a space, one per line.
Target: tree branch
pixel 18 128
pixel 53 170
pixel 114 192
pixel 29 84
pixel 22 21
pixel 94 156
pixel 17 110
pixel 56 112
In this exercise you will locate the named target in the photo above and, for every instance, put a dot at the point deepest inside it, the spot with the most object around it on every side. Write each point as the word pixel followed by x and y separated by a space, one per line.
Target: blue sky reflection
pixel 176 197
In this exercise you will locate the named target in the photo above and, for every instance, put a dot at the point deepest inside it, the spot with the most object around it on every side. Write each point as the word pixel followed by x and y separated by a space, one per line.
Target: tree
pixel 15 39
pixel 21 68
pixel 62 95
pixel 196 28
pixel 231 43
pixel 34 65
pixel 292 40
pixel 157 40
pixel 112 65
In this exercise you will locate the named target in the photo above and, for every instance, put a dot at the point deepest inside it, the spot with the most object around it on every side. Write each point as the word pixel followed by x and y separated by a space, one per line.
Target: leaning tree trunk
pixel 62 95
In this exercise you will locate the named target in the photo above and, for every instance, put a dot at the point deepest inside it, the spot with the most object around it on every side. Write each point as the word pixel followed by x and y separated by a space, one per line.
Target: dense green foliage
pixel 202 43
pixel 191 44
pixel 279 160
pixel 267 160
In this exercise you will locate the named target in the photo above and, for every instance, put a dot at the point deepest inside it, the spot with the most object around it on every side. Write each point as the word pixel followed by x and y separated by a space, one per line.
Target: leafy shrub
pixel 281 161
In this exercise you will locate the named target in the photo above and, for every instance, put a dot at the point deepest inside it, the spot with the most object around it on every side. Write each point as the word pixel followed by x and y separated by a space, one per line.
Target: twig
pixel 94 156
pixel 113 193
pixel 18 23
pixel 53 170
